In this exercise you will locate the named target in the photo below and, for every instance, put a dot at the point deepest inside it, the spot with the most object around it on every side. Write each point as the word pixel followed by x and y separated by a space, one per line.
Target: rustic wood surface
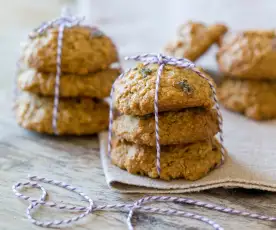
pixel 73 160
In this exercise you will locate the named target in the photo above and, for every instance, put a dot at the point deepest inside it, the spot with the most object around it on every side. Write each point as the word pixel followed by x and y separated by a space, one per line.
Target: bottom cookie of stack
pixel 253 98
pixel 191 161
pixel 76 116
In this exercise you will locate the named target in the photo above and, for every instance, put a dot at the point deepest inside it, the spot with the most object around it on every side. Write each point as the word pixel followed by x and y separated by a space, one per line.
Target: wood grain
pixel 75 160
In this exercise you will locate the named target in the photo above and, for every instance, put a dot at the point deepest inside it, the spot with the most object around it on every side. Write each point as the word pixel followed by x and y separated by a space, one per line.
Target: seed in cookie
pixel 134 94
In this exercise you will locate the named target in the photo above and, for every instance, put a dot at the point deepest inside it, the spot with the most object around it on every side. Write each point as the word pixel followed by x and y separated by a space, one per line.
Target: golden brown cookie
pixel 91 85
pixel 187 126
pixel 179 88
pixel 77 116
pixel 194 39
pixel 250 55
pixel 255 99
pixel 82 51
pixel 191 162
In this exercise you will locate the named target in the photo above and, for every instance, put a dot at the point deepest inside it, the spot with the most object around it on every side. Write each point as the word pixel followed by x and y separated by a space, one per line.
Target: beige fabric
pixel 251 162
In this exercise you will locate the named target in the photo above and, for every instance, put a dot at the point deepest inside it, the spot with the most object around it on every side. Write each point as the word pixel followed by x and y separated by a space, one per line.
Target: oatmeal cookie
pixel 191 162
pixel 91 85
pixel 179 88
pixel 83 51
pixel 255 99
pixel 194 39
pixel 250 55
pixel 76 116
pixel 187 126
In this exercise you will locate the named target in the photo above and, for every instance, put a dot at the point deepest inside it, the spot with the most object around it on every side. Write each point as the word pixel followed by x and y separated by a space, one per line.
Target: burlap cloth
pixel 251 162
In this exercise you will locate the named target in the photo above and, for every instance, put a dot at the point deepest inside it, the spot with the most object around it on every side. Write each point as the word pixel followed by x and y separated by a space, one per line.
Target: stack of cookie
pixel 194 39
pixel 187 124
pixel 85 80
pixel 248 62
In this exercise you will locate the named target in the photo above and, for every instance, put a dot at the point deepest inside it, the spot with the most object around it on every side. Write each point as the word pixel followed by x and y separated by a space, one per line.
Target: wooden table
pixel 71 159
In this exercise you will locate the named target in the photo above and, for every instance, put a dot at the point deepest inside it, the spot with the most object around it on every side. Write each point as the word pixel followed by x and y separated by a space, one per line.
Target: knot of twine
pixel 163 60
pixel 121 207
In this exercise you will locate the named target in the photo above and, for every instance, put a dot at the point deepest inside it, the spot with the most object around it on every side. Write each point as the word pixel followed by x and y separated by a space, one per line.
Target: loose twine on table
pixel 137 205
pixel 122 207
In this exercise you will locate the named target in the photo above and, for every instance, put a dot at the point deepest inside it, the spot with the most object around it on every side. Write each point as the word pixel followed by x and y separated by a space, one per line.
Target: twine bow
pixel 92 207
pixel 163 60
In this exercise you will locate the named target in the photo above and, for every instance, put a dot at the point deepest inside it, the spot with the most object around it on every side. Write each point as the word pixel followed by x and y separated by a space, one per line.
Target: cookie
pixel 251 55
pixel 194 39
pixel 91 85
pixel 187 126
pixel 84 50
pixel 191 162
pixel 255 99
pixel 76 116
pixel 179 88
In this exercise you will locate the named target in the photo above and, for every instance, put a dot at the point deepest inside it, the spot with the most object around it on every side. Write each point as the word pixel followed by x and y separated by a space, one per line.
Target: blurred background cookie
pixel 76 116
pixel 255 99
pixel 194 39
pixel 69 101
pixel 96 84
pixel 249 55
pixel 85 50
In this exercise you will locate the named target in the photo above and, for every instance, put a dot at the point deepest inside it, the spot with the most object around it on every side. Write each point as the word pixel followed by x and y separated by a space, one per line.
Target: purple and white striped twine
pixel 130 208
pixel 65 21
pixel 162 60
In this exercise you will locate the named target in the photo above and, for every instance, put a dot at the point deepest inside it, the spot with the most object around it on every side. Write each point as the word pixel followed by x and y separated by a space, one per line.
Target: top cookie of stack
pixel 248 62
pixel 86 57
pixel 187 123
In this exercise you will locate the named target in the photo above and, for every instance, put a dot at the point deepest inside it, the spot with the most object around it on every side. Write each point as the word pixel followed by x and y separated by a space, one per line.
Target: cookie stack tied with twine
pixel 248 62
pixel 64 75
pixel 169 117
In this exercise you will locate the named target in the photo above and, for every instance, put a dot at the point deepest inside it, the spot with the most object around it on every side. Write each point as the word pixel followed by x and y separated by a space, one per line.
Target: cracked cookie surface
pixel 179 88
pixel 82 52
pixel 182 127
pixel 256 99
pixel 191 162
pixel 91 85
pixel 76 116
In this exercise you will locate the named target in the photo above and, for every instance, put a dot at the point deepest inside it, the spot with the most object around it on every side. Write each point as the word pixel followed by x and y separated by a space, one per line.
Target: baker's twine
pixel 130 208
pixel 65 21
pixel 162 60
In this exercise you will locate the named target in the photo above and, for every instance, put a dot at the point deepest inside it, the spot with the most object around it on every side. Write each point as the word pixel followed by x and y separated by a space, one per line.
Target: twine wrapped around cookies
pixel 162 60
pixel 121 207
pixel 65 21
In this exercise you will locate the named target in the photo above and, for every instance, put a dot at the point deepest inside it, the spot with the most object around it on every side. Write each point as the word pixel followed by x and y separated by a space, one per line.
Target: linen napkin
pixel 251 162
